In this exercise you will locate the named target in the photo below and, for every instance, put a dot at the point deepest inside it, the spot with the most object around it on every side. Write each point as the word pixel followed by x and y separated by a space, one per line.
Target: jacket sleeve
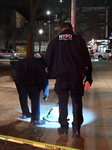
pixel 88 75
pixel 50 50
pixel 89 69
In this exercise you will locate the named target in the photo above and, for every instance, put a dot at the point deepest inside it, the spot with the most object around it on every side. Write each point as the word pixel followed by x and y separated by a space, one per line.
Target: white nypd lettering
pixel 65 37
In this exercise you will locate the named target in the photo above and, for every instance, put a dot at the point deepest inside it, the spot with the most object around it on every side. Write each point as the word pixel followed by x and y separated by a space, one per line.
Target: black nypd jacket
pixel 68 53
pixel 30 71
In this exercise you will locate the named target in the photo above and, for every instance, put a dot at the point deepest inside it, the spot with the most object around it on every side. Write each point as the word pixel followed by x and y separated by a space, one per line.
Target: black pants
pixel 34 95
pixel 70 84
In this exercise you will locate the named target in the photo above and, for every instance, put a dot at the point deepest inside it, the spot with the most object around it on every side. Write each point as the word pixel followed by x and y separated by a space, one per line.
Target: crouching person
pixel 30 78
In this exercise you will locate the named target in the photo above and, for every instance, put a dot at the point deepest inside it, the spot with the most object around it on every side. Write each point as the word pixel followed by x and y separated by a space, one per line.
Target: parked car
pixel 103 56
pixel 91 54
pixel 9 53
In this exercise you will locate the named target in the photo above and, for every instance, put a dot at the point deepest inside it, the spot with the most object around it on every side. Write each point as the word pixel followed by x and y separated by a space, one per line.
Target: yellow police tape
pixel 33 143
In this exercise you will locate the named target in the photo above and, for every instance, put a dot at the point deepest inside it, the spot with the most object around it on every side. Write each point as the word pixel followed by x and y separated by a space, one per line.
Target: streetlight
pixel 40 32
pixel 73 13
pixel 49 13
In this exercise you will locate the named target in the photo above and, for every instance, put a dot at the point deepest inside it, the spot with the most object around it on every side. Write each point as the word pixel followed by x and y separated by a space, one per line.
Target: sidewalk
pixel 96 131
pixel 5 71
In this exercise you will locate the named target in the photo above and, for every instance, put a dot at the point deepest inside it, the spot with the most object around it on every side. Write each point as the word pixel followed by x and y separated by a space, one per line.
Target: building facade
pixel 91 23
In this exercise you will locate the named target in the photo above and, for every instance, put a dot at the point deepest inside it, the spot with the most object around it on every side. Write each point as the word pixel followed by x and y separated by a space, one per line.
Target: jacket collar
pixel 67 31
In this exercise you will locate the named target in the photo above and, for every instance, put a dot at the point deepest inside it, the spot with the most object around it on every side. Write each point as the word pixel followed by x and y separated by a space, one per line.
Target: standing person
pixel 68 61
pixel 30 78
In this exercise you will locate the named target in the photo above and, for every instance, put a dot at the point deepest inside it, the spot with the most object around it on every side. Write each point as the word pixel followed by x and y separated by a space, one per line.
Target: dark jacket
pixel 67 53
pixel 30 71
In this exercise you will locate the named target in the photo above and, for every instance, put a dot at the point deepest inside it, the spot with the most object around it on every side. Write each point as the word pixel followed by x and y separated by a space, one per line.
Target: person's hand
pixel 45 98
pixel 37 55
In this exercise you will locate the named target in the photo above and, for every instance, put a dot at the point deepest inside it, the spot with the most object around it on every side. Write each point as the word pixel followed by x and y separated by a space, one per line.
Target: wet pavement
pixel 96 131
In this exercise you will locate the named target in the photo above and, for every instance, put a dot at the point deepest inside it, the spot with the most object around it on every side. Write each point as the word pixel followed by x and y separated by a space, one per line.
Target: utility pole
pixel 73 13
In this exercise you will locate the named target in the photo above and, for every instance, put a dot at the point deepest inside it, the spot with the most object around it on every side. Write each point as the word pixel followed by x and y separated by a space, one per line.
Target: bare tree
pixel 35 5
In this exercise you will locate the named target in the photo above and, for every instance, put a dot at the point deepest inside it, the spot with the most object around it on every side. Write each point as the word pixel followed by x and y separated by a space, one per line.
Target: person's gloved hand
pixel 88 76
pixel 89 80
pixel 45 98
pixel 87 84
